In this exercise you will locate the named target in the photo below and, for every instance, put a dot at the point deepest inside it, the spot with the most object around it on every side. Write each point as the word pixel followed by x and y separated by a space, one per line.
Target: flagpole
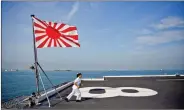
pixel 36 60
pixel 36 67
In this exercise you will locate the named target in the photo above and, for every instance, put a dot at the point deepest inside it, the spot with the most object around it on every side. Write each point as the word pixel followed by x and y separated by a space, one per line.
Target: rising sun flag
pixel 52 34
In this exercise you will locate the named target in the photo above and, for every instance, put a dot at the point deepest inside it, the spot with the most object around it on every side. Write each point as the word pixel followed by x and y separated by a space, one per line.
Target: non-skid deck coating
pixel 170 94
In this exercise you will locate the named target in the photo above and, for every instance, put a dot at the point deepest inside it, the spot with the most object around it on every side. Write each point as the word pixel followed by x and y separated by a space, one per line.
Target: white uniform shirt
pixel 78 81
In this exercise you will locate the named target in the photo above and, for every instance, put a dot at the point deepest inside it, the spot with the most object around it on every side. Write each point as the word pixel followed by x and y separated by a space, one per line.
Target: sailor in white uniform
pixel 75 89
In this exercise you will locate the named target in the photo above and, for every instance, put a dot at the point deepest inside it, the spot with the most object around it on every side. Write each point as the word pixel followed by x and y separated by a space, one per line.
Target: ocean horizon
pixel 23 82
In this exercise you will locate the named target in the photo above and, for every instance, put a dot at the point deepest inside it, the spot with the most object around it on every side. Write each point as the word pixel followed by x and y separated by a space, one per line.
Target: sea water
pixel 18 83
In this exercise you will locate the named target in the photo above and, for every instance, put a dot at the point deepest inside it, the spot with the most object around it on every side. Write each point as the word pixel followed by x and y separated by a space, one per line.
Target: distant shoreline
pixel 100 70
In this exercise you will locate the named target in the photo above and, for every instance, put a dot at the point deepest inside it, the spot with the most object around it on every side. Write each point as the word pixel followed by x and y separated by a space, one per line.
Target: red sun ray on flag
pixel 52 34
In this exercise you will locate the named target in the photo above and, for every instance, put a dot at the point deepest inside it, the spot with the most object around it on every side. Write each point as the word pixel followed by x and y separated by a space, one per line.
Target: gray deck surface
pixel 170 95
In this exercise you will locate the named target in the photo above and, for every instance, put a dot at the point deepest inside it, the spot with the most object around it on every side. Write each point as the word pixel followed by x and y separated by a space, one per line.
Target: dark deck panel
pixel 170 95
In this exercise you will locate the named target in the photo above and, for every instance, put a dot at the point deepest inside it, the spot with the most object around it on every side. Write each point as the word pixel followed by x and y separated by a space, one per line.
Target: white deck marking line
pixel 141 76
pixel 102 79
pixel 169 79
pixel 93 79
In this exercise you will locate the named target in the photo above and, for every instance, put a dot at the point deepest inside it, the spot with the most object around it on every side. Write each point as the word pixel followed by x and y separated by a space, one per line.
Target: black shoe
pixel 78 100
pixel 66 100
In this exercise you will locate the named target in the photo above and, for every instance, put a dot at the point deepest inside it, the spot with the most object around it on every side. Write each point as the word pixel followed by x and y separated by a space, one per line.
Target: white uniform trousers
pixel 75 91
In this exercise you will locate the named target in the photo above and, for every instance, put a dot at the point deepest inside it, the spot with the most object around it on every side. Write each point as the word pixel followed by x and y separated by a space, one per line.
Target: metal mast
pixel 36 59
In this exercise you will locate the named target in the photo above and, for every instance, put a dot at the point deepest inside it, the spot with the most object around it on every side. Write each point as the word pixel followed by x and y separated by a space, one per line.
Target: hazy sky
pixel 113 35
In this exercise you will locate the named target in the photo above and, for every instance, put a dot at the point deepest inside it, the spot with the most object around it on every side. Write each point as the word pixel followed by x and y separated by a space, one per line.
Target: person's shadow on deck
pixel 72 100
pixel 82 99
